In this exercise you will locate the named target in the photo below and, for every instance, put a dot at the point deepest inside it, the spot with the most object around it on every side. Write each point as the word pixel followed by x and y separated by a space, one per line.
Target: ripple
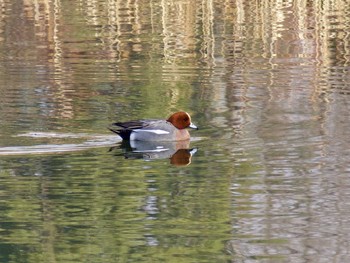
pixel 91 141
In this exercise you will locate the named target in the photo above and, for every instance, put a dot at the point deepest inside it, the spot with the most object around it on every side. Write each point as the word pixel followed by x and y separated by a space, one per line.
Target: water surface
pixel 267 83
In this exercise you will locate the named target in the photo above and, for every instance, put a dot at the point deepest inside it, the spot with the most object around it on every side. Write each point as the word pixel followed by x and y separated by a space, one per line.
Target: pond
pixel 266 178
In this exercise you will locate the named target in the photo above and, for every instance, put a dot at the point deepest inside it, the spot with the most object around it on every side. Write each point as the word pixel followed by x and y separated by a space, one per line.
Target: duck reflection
pixel 179 153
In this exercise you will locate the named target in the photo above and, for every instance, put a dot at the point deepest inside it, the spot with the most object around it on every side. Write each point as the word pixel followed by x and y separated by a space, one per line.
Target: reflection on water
pixel 179 153
pixel 267 80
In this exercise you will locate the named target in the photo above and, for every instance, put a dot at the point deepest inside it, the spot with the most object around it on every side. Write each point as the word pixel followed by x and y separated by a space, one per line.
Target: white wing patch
pixel 151 151
pixel 153 131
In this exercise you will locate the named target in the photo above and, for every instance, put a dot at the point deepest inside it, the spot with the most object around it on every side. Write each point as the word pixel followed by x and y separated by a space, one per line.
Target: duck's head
pixel 181 120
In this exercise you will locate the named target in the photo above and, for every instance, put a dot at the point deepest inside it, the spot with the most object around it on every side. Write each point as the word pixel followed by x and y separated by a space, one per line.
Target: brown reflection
pixel 178 20
pixel 182 157
pixel 122 25
pixel 218 33
pixel 46 18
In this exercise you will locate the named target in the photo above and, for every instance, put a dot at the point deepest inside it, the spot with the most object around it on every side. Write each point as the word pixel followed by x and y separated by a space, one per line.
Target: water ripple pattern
pixel 264 179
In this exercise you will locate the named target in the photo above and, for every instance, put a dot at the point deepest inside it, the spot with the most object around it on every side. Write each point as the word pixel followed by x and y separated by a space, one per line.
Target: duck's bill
pixel 192 126
pixel 192 151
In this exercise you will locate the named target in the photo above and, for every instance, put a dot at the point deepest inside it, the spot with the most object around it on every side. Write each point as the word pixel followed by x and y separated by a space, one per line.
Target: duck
pixel 172 129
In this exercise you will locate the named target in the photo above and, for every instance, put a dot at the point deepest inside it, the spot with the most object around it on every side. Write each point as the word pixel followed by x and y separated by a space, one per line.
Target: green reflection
pixel 94 207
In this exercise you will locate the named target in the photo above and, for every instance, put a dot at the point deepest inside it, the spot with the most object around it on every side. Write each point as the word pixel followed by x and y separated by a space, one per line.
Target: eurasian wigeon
pixel 172 129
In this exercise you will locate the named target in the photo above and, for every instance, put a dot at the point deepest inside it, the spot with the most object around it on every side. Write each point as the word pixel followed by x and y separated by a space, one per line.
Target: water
pixel 266 177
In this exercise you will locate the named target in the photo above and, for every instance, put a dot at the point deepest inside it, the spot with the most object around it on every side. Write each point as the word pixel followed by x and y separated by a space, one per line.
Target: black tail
pixel 123 133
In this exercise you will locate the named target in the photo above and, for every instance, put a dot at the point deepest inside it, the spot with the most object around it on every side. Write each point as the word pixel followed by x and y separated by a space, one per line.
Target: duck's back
pixel 145 130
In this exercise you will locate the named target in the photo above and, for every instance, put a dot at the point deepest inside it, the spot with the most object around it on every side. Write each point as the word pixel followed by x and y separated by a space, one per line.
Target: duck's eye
pixel 186 119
